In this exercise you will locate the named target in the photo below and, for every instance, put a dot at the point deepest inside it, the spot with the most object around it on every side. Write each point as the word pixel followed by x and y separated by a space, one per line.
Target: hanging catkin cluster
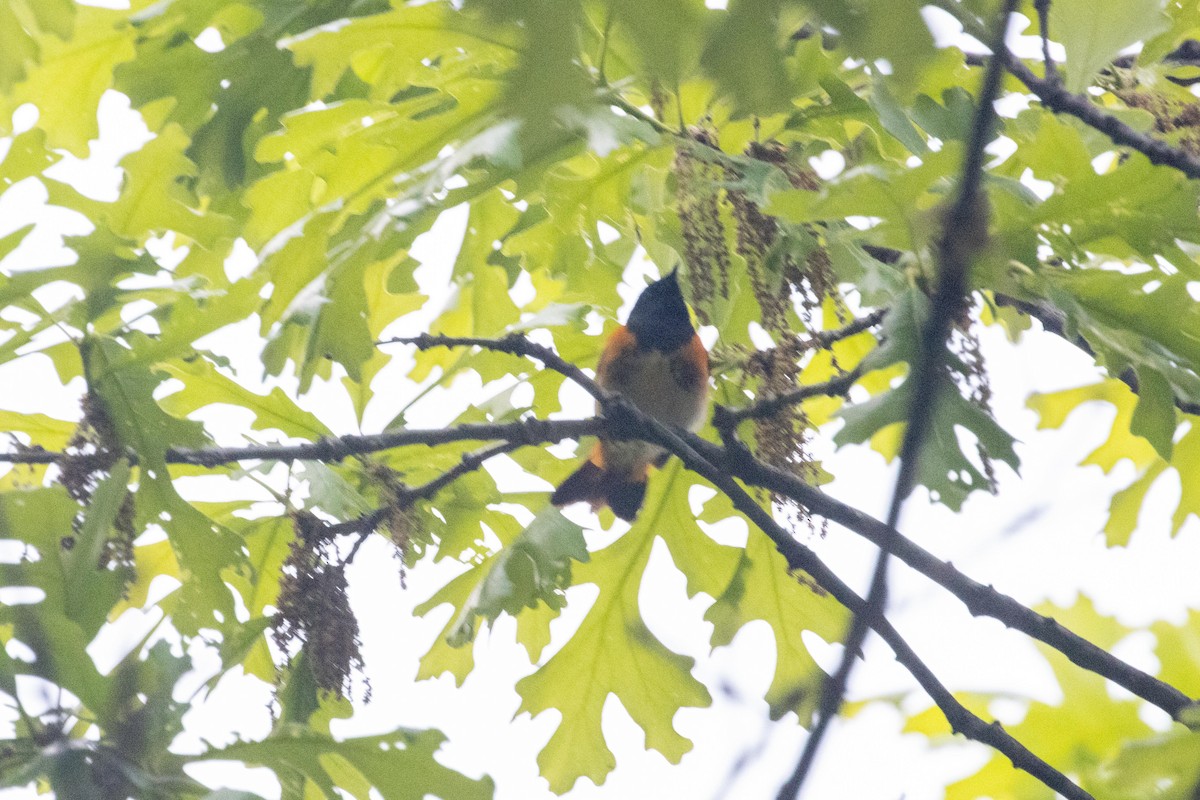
pixel 711 198
pixel 1178 120
pixel 314 610
pixel 405 524
pixel 698 182
pixel 964 342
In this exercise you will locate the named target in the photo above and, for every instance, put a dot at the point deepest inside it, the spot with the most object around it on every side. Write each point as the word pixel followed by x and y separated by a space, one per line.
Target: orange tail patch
pixel 593 484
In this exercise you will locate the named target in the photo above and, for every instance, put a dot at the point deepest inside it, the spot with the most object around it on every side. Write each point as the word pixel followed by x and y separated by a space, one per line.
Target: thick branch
pixel 979 599
pixel 1054 96
pixel 800 557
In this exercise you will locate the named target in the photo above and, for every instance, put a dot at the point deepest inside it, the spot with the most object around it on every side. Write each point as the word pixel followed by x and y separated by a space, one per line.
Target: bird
pixel 657 362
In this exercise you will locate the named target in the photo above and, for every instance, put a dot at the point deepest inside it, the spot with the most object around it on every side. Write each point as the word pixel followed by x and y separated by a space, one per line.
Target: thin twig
pixel 966 217
pixel 339 448
pixel 366 524
pixel 1054 321
pixel 629 108
pixel 1043 12
pixel 826 339
pixel 514 344
pixel 608 21
pixel 834 387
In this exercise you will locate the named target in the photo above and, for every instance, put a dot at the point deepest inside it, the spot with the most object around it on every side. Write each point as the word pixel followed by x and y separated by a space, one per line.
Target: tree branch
pixel 980 600
pixel 514 344
pixel 961 719
pixel 964 227
pixel 834 387
pixel 1055 97
pixel 826 339
pixel 1055 322
pixel 720 465
pixel 1043 12
pixel 334 449
pixel 738 462
pixel 366 524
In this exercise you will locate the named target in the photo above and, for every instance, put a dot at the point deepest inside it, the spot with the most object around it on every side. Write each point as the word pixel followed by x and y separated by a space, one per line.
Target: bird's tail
pixel 594 484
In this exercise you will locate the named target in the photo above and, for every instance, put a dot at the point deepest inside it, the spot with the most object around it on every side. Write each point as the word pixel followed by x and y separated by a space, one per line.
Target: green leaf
pixel 90 588
pixel 399 765
pixel 1166 767
pixel 1135 322
pixel 745 58
pixel 204 385
pixel 224 101
pixel 1092 40
pixel 532 570
pixel 896 122
pixel 1069 735
pixel 60 654
pixel 943 467
pixel 18 46
pixel 424 45
pixel 1053 409
pixel 763 589
pixel 70 76
pixel 1126 505
pixel 39 518
pixel 1177 649
pixel 203 548
pixel 666 35
pixel 154 200
pixel 12 241
pixel 1186 462
pixel 43 431
pixel 1154 416
pixel 620 655
pixel 883 29
pixel 442 657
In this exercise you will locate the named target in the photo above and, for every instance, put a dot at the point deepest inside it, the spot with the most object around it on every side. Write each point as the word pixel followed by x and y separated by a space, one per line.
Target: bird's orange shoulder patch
pixel 621 342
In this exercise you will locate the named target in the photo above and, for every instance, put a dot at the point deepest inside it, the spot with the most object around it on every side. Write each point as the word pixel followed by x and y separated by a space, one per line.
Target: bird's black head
pixel 659 319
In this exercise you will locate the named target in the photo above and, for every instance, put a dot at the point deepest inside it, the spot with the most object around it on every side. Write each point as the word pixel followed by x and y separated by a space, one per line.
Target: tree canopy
pixel 852 190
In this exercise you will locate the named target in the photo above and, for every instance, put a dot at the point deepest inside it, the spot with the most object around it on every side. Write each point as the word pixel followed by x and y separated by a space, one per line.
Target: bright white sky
pixel 1038 539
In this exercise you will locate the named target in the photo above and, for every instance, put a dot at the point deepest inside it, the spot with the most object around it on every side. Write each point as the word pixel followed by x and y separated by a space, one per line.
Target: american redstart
pixel 656 361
